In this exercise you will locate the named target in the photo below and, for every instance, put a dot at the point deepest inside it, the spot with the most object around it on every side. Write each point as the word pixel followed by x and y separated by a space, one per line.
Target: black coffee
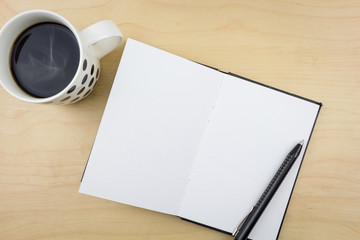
pixel 44 59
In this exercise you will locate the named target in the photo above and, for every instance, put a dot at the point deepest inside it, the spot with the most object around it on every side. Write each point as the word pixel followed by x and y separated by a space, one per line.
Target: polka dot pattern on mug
pixel 91 82
pixel 88 79
pixel 75 99
pixel 84 65
pixel 81 90
pixel 84 79
pixel 71 89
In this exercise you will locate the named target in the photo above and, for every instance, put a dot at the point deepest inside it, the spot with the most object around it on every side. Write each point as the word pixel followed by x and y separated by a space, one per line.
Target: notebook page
pixel 155 116
pixel 251 130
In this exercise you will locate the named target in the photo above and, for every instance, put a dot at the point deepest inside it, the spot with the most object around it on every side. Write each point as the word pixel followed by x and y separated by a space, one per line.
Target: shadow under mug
pixel 94 42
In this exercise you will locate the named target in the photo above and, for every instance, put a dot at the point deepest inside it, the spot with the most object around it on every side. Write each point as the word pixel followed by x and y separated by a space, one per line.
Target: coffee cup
pixel 44 59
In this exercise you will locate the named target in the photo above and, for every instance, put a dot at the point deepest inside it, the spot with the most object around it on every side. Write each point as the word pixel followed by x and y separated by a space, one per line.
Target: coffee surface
pixel 44 59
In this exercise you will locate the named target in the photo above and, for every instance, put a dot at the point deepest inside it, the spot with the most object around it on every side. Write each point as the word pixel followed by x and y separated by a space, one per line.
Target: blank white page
pixel 251 130
pixel 151 128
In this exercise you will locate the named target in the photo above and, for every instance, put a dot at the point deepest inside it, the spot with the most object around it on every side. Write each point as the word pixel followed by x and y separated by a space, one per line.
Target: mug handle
pixel 103 37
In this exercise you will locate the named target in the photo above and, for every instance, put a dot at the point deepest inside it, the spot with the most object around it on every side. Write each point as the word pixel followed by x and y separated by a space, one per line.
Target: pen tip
pixel 302 142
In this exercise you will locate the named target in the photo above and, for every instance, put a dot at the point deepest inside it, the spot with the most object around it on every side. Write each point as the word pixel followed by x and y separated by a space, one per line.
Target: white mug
pixel 94 42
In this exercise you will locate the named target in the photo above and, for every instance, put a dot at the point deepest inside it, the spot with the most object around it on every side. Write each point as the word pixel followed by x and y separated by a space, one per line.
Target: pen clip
pixel 242 221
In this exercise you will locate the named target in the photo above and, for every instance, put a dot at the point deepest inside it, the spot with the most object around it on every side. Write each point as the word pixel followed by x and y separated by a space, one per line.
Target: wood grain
pixel 311 48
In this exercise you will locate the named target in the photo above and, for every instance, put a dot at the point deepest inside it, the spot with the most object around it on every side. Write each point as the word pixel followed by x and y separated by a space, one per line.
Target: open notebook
pixel 184 139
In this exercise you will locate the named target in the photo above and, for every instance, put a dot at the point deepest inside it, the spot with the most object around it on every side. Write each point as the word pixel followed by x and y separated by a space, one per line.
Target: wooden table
pixel 311 48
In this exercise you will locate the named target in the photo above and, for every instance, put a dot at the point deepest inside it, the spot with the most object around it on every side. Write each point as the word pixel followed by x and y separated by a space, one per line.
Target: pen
pixel 245 227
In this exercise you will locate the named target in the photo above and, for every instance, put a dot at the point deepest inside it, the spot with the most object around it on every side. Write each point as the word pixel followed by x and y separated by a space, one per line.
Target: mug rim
pixel 62 21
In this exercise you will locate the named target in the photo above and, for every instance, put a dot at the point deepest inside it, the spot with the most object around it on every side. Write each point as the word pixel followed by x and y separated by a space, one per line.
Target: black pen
pixel 245 227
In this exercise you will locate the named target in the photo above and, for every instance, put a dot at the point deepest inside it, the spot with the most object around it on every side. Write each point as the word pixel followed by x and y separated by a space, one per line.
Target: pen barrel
pixel 278 178
pixel 266 197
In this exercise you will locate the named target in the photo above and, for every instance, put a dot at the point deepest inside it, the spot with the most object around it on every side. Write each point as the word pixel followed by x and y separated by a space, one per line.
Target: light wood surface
pixel 311 48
